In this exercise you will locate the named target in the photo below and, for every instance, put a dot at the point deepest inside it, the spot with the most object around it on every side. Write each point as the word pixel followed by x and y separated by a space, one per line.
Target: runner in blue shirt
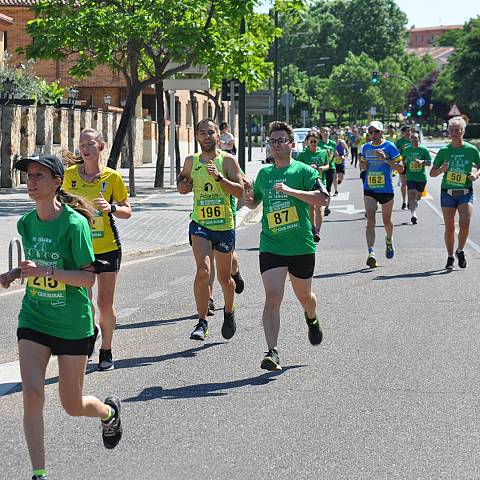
pixel 378 158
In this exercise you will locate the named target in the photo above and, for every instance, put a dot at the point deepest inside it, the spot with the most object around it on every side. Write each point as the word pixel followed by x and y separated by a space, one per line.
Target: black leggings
pixel 354 153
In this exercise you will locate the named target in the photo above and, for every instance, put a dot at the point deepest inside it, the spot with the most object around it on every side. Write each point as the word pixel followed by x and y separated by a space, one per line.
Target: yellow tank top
pixel 211 204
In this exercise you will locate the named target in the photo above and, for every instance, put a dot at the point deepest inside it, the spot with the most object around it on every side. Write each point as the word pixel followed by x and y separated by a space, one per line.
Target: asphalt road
pixel 392 392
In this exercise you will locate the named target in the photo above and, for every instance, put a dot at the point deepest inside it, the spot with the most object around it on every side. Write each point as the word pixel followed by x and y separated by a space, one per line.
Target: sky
pixel 428 13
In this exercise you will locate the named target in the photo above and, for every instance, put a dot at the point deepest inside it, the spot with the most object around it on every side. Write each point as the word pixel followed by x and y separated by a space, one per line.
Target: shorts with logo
pixel 114 258
pixel 449 201
pixel 300 266
pixel 381 198
pixel 222 241
pixel 57 345
pixel 418 186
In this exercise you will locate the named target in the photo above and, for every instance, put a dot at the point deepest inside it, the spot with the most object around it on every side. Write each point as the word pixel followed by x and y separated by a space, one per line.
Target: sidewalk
pixel 159 221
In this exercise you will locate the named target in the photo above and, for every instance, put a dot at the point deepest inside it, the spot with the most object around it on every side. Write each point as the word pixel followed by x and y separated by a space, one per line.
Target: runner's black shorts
pixel 114 258
pixel 379 197
pixel 339 167
pixel 329 174
pixel 418 186
pixel 57 345
pixel 300 266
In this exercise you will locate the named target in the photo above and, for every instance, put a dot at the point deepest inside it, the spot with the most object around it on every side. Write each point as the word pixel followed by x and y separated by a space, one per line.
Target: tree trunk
pixel 131 157
pixel 127 114
pixel 177 152
pixel 160 167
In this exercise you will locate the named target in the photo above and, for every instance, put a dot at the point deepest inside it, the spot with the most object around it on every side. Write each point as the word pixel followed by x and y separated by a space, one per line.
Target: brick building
pixel 103 82
pixel 424 37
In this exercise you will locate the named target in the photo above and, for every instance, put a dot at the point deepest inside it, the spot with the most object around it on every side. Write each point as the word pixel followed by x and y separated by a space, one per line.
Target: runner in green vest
pixel 214 176
pixel 286 188
pixel 416 158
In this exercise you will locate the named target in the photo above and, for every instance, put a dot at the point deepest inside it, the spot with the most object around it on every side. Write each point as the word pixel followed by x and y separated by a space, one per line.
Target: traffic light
pixel 226 90
pixel 375 79
pixel 419 113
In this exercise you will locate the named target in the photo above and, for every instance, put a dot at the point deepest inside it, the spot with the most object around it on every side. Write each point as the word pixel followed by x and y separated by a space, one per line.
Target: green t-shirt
pixel 402 143
pixel 286 227
pixel 414 171
pixel 460 162
pixel 330 146
pixel 319 157
pixel 49 306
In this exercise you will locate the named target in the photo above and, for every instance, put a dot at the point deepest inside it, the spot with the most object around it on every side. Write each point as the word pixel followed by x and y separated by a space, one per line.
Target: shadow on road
pixel 343 274
pixel 15 207
pixel 430 273
pixel 206 389
pixel 154 323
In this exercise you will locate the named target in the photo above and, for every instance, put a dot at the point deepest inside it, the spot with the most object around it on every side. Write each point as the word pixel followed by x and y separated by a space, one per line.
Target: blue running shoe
pixel 389 250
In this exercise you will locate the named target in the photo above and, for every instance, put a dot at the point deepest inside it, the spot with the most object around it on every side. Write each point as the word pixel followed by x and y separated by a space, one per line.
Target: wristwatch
pixel 220 177
pixel 113 208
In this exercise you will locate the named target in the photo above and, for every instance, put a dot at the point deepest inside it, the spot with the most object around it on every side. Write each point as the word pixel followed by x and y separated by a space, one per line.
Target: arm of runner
pixel 7 278
pixel 76 278
pixel 122 209
pixel 316 197
pixel 232 182
pixel 184 180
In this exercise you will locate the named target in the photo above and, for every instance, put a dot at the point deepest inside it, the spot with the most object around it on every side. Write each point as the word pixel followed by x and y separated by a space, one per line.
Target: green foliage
pixel 451 38
pixel 29 86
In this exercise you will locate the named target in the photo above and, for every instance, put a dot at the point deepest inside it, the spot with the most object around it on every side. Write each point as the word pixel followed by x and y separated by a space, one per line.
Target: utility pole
pixel 241 114
pixel 276 66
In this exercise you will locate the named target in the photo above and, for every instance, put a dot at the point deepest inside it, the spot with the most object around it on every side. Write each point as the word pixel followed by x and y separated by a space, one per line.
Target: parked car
pixel 299 135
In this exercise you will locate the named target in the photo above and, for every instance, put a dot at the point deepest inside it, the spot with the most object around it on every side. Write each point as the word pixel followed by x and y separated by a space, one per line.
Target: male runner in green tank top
pixel 216 176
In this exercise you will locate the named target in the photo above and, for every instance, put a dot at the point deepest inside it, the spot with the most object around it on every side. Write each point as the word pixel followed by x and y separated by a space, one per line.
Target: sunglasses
pixel 371 131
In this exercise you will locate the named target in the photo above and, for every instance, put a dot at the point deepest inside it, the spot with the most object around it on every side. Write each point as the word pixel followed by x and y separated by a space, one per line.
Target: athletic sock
pixel 109 416
pixel 39 472
pixel 371 250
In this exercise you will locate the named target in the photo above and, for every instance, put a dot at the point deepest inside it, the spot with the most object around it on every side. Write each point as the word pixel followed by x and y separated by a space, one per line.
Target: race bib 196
pixel 414 166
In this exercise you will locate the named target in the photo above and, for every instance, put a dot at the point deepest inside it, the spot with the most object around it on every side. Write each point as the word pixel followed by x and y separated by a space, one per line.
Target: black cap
pixel 52 162
pixel 405 127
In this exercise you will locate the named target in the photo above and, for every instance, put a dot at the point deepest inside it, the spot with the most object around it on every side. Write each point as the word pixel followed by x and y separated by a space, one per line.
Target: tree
pixel 140 39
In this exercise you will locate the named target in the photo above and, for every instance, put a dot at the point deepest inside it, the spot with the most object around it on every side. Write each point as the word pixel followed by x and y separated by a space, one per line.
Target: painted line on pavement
pixel 156 295
pixel 471 243
pixel 126 312
pixel 9 376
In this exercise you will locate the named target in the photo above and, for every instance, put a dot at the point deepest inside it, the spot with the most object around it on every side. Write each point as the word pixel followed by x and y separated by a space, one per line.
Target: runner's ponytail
pixel 78 204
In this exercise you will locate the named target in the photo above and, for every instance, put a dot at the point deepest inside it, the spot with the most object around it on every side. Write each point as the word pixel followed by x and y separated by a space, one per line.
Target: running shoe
pixel 229 326
pixel 316 237
pixel 336 193
pixel 414 220
pixel 39 477
pixel 271 361
pixel 389 250
pixel 211 307
pixel 112 429
pixel 462 263
pixel 239 282
pixel 200 332
pixel 450 263
pixel 315 333
pixel 371 260
pixel 404 206
pixel 96 335
pixel 327 211
pixel 105 360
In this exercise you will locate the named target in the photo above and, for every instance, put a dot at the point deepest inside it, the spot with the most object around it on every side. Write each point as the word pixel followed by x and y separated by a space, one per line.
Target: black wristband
pixel 113 208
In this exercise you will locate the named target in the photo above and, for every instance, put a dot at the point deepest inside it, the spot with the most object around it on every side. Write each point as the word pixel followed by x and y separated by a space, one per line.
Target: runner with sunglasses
pixel 378 158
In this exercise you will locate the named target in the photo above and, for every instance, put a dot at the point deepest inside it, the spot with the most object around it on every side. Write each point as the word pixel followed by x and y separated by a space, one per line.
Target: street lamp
pixel 107 100
pixel 72 96
pixel 9 88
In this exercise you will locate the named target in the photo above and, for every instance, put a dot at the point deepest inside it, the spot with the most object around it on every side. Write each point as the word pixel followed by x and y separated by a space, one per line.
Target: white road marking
pixel 349 209
pixel 9 376
pixel 341 197
pixel 156 295
pixel 126 312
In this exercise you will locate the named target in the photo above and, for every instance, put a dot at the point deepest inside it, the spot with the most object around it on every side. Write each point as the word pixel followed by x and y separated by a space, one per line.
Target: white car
pixel 299 135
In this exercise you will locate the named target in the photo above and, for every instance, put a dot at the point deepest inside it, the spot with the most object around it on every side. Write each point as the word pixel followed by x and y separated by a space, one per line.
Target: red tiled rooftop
pixel 427 29
pixel 17 3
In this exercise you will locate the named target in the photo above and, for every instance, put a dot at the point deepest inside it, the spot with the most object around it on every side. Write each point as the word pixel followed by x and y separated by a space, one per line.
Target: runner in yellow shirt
pixel 103 187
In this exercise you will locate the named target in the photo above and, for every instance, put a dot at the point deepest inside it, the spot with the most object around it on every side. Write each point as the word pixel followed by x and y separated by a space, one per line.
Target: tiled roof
pixel 17 3
pixel 5 20
pixel 426 29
